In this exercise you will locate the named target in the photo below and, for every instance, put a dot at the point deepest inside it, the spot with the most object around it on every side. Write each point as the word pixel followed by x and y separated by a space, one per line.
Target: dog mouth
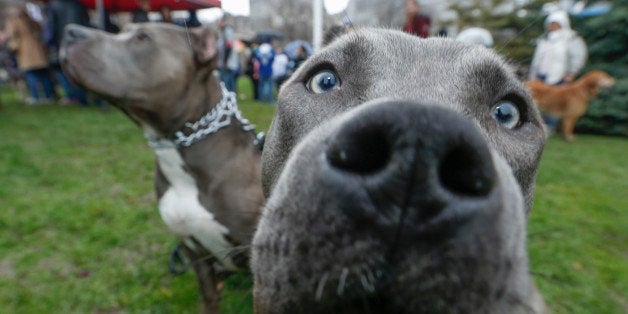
pixel 85 69
pixel 77 63
pixel 66 65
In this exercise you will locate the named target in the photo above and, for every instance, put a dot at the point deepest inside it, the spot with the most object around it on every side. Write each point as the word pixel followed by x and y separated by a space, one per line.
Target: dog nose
pixel 428 161
pixel 73 34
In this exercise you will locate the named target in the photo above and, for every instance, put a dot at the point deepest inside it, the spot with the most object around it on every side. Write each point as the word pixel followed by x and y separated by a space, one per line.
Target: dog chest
pixel 182 212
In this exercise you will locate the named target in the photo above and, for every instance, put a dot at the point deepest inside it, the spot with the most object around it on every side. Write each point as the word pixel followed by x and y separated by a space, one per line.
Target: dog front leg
pixel 208 282
pixel 568 124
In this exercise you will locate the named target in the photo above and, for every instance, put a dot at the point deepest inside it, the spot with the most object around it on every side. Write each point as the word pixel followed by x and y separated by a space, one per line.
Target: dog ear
pixel 334 32
pixel 205 44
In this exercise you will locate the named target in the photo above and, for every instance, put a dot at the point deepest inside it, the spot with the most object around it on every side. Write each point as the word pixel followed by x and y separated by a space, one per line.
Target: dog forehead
pixel 163 33
pixel 151 27
pixel 382 57
pixel 376 63
pixel 394 50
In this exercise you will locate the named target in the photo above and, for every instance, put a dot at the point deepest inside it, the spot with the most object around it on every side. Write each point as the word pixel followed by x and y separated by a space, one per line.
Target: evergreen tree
pixel 514 31
pixel 607 39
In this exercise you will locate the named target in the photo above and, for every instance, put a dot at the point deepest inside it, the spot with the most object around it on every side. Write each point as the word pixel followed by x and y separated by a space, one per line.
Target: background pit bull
pixel 208 169
pixel 399 172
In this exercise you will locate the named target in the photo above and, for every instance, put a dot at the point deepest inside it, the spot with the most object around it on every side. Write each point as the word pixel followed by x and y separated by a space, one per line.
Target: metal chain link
pixel 218 118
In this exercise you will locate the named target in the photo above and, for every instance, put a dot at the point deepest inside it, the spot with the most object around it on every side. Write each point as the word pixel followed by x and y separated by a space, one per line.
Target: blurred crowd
pixel 32 34
pixel 30 40
pixel 266 65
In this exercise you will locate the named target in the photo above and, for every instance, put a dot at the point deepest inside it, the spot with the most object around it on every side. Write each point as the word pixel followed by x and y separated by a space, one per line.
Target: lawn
pixel 81 232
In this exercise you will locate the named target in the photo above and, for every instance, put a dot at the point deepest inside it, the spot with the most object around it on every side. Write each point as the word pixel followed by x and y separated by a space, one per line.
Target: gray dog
pixel 400 173
pixel 208 169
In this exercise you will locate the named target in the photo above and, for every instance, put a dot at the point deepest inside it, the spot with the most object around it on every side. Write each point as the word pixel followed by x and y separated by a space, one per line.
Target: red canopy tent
pixel 130 5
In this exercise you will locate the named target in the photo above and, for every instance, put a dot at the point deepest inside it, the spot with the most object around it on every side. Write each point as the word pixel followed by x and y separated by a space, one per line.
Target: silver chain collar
pixel 218 118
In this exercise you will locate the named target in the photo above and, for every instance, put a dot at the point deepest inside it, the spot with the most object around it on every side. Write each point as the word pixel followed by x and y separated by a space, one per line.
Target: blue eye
pixel 506 114
pixel 323 82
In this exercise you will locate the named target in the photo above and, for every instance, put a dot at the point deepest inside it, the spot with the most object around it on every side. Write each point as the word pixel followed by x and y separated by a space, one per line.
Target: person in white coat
pixel 560 53
pixel 280 67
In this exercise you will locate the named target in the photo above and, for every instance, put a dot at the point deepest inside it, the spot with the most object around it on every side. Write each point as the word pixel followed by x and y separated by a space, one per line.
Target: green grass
pixel 578 230
pixel 80 231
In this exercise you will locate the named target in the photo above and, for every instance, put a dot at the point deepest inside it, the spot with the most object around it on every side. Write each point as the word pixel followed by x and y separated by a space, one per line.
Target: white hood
pixel 559 17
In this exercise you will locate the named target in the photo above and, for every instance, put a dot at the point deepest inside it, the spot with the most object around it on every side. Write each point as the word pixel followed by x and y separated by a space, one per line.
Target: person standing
pixel 61 13
pixel 24 38
pixel 280 67
pixel 416 23
pixel 192 20
pixel 300 55
pixel 252 68
pixel 229 60
pixel 560 53
pixel 166 14
pixel 140 15
pixel 265 55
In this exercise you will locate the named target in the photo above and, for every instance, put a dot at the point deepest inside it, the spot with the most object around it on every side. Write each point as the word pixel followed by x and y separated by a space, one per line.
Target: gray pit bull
pixel 400 172
pixel 208 169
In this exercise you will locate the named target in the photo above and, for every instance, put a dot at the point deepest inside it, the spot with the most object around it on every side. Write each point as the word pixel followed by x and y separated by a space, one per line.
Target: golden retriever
pixel 569 102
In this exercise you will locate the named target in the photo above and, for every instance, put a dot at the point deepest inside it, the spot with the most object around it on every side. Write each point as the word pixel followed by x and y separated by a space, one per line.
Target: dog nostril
pixel 463 170
pixel 361 151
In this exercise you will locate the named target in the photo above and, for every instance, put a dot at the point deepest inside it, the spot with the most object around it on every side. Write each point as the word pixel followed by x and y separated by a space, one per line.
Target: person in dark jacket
pixel 59 14
pixel 140 15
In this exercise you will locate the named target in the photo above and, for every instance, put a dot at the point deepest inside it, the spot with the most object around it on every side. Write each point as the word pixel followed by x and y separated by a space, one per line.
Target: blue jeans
pixel 266 89
pixel 37 78
pixel 72 91
pixel 229 78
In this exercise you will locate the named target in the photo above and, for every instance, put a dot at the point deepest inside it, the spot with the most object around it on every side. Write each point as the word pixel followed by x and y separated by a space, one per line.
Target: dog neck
pixel 221 115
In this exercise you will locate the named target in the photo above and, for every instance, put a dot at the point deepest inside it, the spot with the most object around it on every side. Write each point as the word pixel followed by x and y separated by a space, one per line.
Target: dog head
pixel 598 80
pixel 144 69
pixel 400 171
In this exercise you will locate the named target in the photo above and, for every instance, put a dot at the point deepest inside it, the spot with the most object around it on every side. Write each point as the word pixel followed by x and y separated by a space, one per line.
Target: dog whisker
pixel 342 281
pixel 369 287
pixel 234 252
pixel 370 276
pixel 239 250
pixel 321 286
pixel 230 214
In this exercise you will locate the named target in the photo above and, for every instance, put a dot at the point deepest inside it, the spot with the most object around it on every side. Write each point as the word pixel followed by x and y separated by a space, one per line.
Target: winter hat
pixel 476 35
pixel 559 17
pixel 265 49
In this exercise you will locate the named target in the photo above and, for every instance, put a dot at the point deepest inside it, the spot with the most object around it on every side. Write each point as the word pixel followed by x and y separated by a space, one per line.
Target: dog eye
pixel 323 82
pixel 506 114
pixel 141 36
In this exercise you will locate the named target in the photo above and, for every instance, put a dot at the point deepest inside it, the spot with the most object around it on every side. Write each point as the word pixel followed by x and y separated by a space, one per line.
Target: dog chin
pixel 86 81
